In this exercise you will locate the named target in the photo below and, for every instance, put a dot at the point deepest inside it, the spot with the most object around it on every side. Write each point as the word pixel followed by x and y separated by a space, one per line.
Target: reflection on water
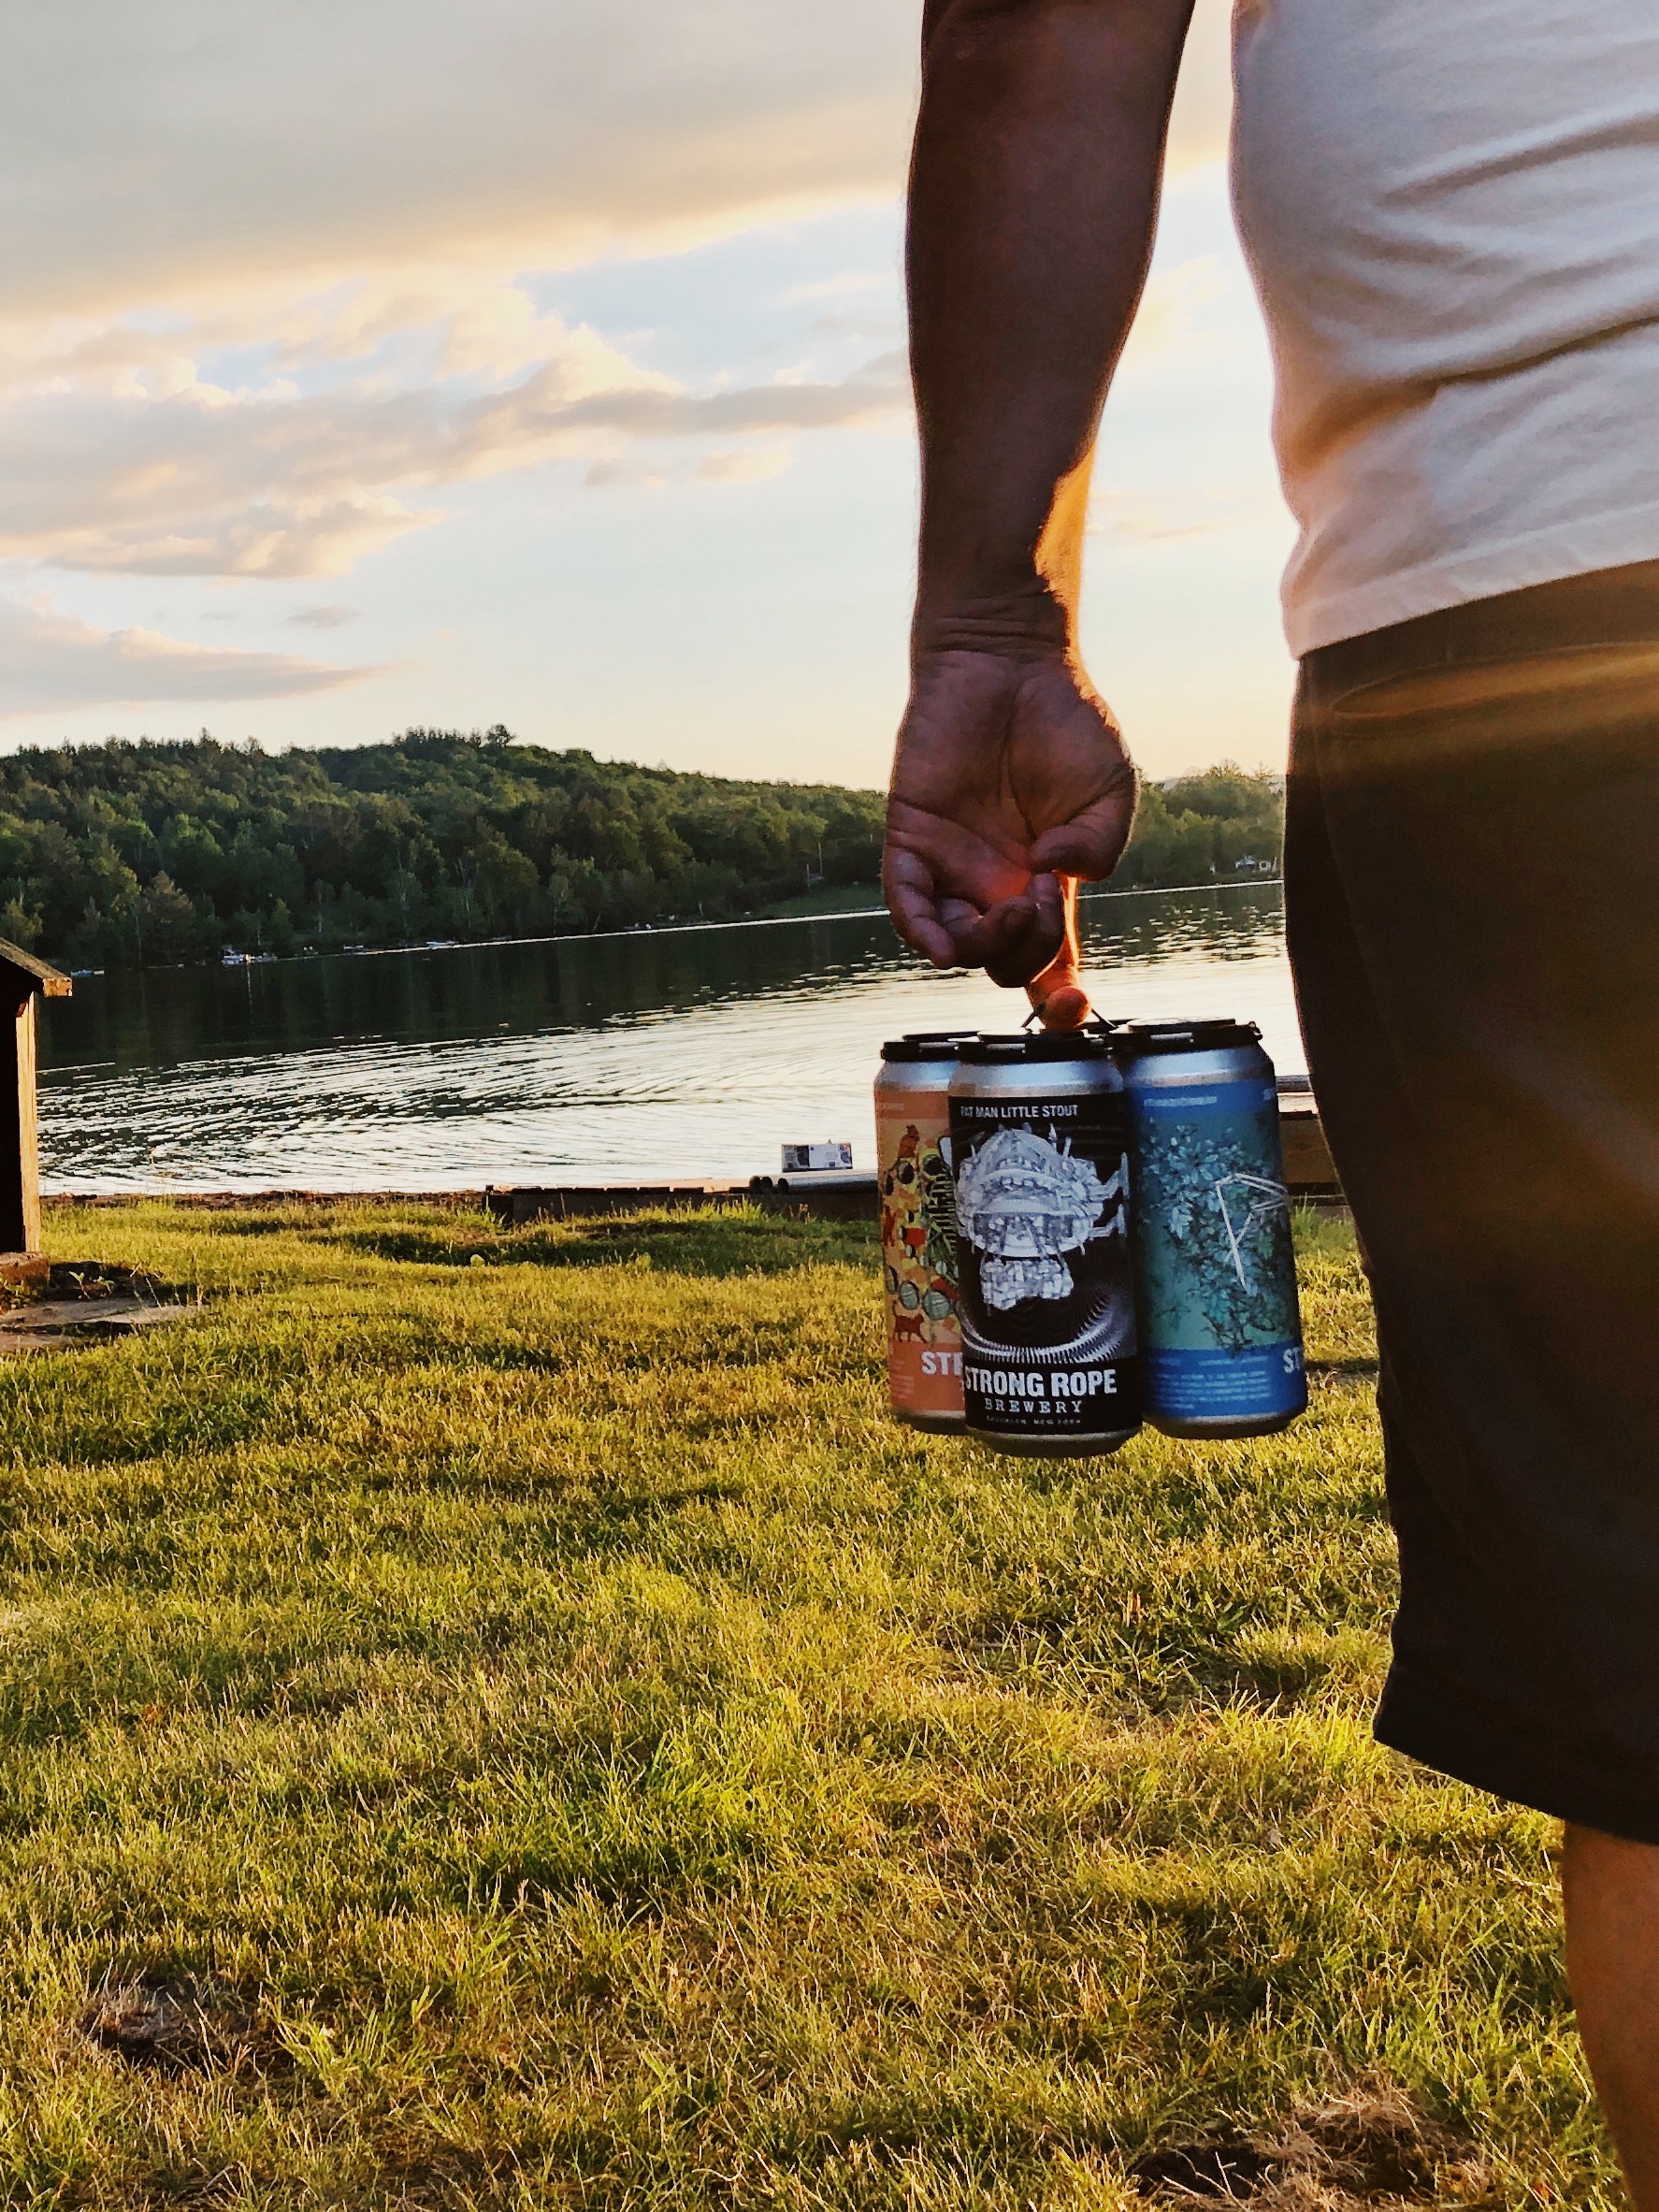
pixel 663 1053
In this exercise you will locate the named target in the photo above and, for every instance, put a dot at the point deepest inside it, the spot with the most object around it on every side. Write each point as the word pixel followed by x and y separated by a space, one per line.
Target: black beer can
pixel 1039 1159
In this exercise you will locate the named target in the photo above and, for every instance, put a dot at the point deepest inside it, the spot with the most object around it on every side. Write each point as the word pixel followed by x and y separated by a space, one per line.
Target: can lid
pixel 1214 1035
pixel 927 1044
pixel 1027 1046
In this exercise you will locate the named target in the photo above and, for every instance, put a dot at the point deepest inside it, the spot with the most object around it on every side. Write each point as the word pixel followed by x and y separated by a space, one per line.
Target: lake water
pixel 662 1053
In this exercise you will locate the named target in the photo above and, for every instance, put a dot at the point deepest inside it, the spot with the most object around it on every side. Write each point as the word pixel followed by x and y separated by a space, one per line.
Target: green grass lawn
pixel 558 1744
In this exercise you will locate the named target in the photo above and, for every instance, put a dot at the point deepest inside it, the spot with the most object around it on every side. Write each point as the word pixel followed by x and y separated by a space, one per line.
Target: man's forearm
pixel 1033 200
pixel 1034 197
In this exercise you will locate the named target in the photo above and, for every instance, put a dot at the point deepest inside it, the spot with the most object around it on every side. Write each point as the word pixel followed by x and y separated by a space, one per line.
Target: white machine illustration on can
pixel 1022 1204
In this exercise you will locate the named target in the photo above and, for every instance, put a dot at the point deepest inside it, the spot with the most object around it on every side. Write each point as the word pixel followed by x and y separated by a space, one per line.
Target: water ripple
pixel 658 1054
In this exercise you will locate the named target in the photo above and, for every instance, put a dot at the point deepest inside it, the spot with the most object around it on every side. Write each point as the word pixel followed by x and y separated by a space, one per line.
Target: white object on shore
pixel 816 1159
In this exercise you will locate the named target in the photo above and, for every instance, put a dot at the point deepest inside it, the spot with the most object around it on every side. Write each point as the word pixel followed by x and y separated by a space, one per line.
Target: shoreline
pixel 1309 1172
pixel 667 929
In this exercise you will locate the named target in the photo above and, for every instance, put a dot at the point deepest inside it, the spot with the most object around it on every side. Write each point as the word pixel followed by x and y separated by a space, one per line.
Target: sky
pixel 540 362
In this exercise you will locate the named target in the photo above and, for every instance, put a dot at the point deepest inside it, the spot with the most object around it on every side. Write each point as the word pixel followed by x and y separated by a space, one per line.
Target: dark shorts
pixel 1472 889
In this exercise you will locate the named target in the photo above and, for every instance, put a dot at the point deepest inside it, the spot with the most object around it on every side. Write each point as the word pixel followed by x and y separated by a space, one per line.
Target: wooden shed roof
pixel 35 973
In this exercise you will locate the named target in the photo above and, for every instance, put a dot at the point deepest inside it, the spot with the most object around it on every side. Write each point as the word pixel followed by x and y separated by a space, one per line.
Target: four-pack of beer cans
pixel 1086 1230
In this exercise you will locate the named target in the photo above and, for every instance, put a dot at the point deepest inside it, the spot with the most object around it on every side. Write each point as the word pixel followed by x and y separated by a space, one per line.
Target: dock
pixel 1310 1178
pixel 841 1194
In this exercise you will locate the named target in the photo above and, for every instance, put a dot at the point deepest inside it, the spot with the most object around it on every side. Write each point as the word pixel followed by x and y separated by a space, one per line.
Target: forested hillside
pixel 127 854
pixel 1221 824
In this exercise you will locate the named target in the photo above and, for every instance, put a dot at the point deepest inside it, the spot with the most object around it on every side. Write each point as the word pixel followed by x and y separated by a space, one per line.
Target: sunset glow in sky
pixel 540 362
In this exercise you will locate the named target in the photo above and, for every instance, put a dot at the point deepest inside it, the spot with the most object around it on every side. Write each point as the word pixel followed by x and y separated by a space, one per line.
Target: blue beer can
pixel 1215 1271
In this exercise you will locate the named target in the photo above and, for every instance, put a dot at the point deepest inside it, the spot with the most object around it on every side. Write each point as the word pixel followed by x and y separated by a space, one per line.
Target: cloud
pixel 611 474
pixel 146 150
pixel 323 617
pixel 1172 310
pixel 103 476
pixel 742 464
pixel 850 281
pixel 267 269
pixel 150 152
pixel 50 660
pixel 1181 511
pixel 1204 97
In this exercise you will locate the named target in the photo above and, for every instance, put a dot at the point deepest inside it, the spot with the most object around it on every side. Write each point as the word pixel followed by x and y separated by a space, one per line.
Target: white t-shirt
pixel 1451 209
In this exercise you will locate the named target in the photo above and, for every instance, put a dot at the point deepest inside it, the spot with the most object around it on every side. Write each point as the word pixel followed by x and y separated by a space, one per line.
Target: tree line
pixel 138 854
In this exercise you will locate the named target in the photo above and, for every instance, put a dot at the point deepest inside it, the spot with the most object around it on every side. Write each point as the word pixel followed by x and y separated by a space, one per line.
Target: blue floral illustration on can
pixel 1220 1324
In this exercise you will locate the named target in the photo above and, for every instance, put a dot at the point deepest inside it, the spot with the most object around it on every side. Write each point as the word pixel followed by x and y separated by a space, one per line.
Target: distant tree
pixel 133 851
pixel 1196 829
pixel 19 924
pixel 167 921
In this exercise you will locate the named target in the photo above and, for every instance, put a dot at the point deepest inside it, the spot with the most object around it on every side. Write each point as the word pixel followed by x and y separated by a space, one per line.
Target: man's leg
pixel 1611 1891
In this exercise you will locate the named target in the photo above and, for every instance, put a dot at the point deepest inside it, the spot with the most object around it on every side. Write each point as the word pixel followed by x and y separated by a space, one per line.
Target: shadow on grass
pixel 1358 2150
pixel 1262 1670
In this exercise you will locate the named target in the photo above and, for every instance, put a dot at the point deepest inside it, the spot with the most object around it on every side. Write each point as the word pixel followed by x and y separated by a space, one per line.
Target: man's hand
pixel 1010 785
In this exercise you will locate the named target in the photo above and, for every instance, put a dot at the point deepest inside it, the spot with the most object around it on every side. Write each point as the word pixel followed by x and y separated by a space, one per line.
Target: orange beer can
pixel 918 1230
